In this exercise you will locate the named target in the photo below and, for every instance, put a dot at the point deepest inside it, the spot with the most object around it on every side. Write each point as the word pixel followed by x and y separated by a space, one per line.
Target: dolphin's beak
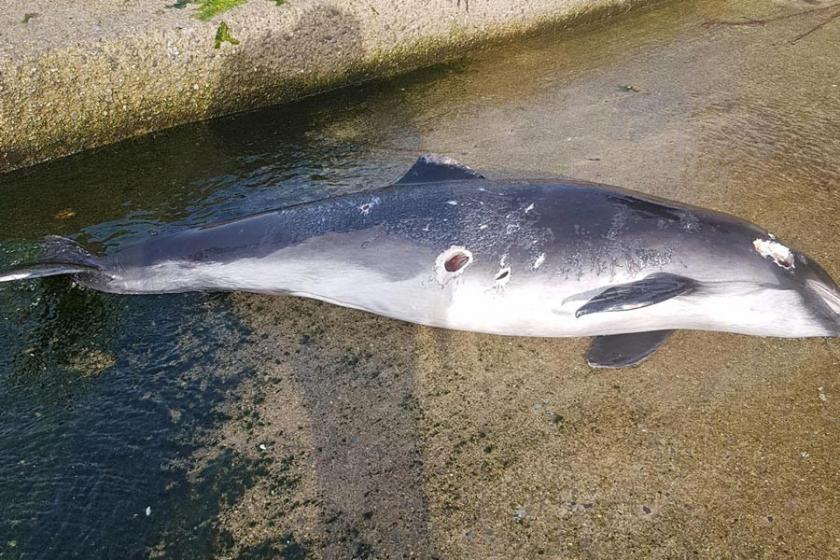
pixel 824 287
pixel 828 293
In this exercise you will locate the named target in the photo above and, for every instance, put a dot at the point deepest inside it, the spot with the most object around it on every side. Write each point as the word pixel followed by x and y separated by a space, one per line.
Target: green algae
pixel 223 36
pixel 208 9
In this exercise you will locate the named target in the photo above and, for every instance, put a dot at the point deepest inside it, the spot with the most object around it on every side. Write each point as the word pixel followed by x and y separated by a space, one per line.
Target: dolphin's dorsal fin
pixel 432 168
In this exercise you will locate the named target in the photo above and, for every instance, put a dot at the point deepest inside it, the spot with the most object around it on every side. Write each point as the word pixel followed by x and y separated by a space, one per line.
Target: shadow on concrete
pixel 351 373
pixel 355 373
pixel 316 47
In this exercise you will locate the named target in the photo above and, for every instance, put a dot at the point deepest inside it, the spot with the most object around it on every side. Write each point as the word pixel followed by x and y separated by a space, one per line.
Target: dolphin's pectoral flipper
pixel 647 291
pixel 431 168
pixel 625 350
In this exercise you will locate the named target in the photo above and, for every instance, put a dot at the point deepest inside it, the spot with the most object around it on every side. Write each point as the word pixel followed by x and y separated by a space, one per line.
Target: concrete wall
pixel 74 75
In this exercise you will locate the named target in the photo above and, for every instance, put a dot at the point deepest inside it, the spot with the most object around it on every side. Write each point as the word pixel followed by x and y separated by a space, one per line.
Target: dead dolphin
pixel 445 247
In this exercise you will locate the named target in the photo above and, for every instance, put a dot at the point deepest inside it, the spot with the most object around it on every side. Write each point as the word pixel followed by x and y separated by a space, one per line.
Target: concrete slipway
pixel 244 426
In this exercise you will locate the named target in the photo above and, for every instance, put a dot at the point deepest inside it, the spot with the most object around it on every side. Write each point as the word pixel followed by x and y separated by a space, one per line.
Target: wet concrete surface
pixel 427 443
pixel 353 436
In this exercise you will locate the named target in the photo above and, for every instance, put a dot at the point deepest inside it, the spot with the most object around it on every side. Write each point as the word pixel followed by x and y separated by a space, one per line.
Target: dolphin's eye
pixel 456 262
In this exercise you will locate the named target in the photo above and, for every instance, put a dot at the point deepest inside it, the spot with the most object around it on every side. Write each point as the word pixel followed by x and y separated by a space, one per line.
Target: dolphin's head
pixel 799 273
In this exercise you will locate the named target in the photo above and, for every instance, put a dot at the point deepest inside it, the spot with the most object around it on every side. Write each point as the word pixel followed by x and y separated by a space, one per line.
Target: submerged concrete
pixel 75 76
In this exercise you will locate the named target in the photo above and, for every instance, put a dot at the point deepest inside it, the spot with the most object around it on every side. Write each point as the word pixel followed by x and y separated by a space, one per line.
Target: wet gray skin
pixel 447 248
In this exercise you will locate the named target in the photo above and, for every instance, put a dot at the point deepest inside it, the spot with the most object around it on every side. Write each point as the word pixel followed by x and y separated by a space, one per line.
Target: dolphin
pixel 445 247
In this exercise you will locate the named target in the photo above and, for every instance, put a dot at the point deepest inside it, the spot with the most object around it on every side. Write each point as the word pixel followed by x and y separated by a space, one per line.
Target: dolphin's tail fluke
pixel 59 256
pixel 41 270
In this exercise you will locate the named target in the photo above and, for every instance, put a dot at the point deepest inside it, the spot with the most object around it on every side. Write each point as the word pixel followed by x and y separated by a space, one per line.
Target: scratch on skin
pixel 502 278
pixel 368 206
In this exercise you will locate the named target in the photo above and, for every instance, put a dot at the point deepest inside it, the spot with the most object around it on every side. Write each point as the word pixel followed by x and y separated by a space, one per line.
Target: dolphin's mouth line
pixel 749 287
pixel 829 296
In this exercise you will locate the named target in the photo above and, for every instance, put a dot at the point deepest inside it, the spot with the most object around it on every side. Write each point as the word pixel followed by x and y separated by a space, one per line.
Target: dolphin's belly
pixel 534 305
pixel 545 313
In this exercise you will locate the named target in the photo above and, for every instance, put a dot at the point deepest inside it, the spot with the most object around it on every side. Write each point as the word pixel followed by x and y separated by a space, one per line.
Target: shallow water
pixel 388 440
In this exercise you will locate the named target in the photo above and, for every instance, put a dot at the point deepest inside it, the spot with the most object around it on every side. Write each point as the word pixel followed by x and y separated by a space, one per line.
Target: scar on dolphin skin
pixel 502 277
pixel 452 263
pixel 368 206
pixel 770 248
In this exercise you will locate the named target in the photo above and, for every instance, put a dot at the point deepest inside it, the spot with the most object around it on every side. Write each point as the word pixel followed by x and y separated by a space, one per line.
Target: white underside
pixel 525 307
pixel 758 311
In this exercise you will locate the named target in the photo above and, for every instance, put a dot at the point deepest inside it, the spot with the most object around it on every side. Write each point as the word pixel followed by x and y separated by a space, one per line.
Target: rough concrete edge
pixel 380 64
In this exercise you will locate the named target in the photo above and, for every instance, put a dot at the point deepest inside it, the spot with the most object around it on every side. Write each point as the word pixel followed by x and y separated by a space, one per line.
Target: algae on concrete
pixel 207 9
pixel 223 36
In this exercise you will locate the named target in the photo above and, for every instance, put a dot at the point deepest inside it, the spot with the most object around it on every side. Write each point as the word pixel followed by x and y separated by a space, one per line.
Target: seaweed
pixel 208 9
pixel 223 36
